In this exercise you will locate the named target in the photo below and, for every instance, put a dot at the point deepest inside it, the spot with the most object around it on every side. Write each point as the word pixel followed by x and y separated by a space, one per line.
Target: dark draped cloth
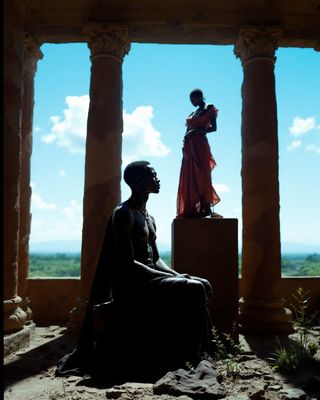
pixel 153 324
pixel 77 362
pixel 195 189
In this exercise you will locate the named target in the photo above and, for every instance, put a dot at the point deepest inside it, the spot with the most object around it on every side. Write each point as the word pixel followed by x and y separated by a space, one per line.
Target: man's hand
pixel 163 267
pixel 185 276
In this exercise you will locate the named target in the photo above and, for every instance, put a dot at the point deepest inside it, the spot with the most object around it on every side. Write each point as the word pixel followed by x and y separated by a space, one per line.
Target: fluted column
pixel 108 44
pixel 14 10
pixel 32 54
pixel 262 306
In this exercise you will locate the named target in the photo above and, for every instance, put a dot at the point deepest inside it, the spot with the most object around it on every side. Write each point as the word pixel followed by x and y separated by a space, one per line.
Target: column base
pixel 265 316
pixel 25 307
pixel 14 316
pixel 77 316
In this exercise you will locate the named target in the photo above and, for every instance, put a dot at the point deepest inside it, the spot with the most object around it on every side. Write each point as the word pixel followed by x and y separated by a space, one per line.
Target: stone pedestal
pixel 32 54
pixel 261 308
pixel 14 316
pixel 108 44
pixel 208 248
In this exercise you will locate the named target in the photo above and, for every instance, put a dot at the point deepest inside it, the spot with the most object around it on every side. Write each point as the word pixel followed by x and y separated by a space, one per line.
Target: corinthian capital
pixel 107 40
pixel 257 42
pixel 32 53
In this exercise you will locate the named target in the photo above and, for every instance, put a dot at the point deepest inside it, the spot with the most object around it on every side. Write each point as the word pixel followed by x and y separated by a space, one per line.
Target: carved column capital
pixel 107 40
pixel 257 43
pixel 32 54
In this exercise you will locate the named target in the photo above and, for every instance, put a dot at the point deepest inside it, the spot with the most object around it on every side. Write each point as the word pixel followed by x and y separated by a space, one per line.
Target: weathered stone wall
pixel 53 298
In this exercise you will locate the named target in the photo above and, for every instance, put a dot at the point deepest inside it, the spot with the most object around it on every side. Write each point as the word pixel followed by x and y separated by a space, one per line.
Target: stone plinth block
pixel 208 248
pixel 16 341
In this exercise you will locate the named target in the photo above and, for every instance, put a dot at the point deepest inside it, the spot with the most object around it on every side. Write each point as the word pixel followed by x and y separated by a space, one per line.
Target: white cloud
pixel 63 223
pixel 73 210
pixel 32 185
pixel 294 145
pixel 70 131
pixel 38 203
pixel 140 138
pixel 49 138
pixel 221 188
pixel 300 126
pixel 62 173
pixel 44 230
pixel 313 148
pixel 236 210
pixel 37 128
pixel 55 119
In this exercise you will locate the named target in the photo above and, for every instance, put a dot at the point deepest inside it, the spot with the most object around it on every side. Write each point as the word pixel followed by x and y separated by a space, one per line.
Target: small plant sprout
pixel 227 351
pixel 302 321
pixel 302 348
pixel 286 359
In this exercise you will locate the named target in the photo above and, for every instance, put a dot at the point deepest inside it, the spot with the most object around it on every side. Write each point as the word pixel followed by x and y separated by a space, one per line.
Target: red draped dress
pixel 195 191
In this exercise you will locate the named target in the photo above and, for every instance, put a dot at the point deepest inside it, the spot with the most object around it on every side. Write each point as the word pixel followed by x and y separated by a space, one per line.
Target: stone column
pixel 262 306
pixel 108 43
pixel 32 54
pixel 13 43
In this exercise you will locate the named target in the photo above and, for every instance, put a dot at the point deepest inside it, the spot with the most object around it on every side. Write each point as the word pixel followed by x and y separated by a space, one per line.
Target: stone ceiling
pixel 176 21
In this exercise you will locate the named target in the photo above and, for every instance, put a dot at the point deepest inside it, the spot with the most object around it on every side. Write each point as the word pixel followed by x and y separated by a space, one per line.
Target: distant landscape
pixel 74 246
pixel 59 264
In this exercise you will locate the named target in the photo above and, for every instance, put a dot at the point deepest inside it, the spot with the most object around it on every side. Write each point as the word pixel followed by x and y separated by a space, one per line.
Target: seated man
pixel 160 318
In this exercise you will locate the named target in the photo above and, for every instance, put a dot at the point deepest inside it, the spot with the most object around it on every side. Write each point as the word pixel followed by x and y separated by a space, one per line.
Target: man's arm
pixel 158 262
pixel 204 131
pixel 162 266
pixel 213 126
pixel 213 121
pixel 123 222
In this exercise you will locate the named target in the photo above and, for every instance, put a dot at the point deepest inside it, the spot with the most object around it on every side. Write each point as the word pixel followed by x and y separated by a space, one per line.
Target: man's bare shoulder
pixel 123 217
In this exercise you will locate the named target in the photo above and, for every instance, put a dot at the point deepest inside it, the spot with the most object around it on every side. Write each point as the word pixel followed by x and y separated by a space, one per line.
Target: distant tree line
pixel 301 266
pixel 68 264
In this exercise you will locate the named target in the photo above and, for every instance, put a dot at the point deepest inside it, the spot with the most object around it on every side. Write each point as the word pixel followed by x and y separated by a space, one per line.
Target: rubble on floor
pixel 30 375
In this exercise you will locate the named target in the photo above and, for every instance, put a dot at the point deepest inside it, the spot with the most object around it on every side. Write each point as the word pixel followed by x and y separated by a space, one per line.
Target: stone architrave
pixel 32 54
pixel 108 44
pixel 13 43
pixel 262 306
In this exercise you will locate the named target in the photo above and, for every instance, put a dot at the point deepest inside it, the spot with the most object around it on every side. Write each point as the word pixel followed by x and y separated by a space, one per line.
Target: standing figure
pixel 196 195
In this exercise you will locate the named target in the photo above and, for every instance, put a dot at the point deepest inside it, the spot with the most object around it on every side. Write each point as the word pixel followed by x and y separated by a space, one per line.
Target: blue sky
pixel 157 81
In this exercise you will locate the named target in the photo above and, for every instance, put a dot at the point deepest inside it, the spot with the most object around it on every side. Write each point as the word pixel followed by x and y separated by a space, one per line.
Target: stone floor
pixel 29 374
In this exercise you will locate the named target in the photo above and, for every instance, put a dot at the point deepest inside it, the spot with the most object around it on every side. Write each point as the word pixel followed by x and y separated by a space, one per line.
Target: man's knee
pixel 206 285
pixel 196 288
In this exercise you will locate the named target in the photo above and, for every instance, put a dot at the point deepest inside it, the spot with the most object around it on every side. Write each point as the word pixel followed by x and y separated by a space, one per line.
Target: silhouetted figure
pixel 158 318
pixel 196 195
